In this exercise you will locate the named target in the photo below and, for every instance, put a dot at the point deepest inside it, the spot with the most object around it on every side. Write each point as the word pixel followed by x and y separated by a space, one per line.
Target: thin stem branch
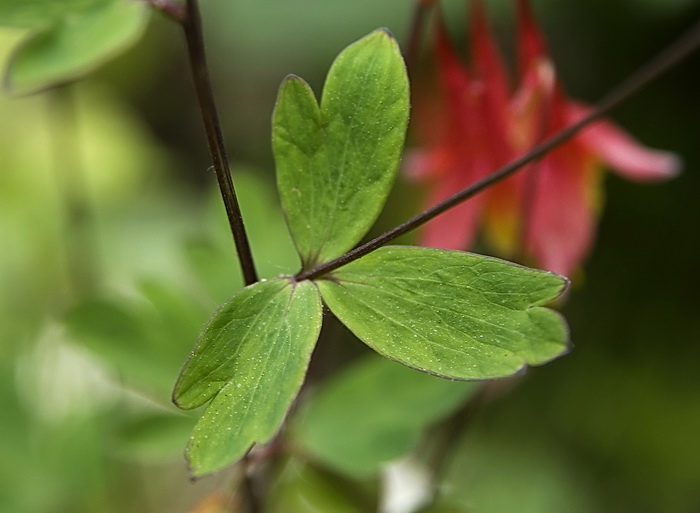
pixel 191 23
pixel 246 487
pixel 451 431
pixel 668 58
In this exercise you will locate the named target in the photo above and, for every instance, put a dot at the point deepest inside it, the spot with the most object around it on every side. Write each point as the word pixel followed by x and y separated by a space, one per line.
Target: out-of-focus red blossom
pixel 478 123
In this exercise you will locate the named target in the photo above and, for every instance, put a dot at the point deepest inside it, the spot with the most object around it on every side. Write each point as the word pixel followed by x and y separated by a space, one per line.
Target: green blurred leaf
pixel 336 164
pixel 251 357
pixel 172 321
pixel 75 45
pixel 300 488
pixel 637 422
pixel 144 340
pixel 374 412
pixel 213 269
pixel 210 254
pixel 117 332
pixel 30 13
pixel 449 313
pixel 154 437
pixel 496 471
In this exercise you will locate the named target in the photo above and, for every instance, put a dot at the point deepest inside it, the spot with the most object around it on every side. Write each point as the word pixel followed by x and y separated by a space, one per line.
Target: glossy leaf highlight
pixel 251 358
pixel 449 313
pixel 336 163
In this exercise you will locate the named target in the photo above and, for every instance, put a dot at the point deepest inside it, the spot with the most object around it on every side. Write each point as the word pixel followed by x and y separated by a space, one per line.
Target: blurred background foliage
pixel 114 251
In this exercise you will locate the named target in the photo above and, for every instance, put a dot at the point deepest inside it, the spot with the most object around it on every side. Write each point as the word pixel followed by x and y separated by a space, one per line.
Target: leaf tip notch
pixel 179 393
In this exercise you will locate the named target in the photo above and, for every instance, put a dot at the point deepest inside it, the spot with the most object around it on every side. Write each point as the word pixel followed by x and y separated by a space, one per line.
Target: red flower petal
pixel 562 221
pixel 456 228
pixel 476 126
pixel 531 43
pixel 488 63
pixel 462 156
pixel 621 152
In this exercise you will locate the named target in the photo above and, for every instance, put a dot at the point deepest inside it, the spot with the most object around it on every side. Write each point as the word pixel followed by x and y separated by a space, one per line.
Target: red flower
pixel 545 213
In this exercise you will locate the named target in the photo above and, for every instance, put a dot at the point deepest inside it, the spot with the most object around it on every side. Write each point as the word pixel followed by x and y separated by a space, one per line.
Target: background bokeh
pixel 114 251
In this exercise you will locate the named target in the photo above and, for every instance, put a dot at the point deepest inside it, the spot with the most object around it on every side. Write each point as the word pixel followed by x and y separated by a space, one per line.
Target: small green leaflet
pixel 336 164
pixel 449 313
pixel 75 45
pixel 251 358
pixel 155 435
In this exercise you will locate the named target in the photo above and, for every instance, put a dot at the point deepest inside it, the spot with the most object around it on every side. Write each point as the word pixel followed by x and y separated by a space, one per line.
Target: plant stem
pixel 191 23
pixel 668 58
pixel 246 488
pixel 251 501
pixel 452 430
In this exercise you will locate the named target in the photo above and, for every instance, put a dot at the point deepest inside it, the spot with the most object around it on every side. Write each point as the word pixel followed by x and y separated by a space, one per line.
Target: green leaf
pixel 30 13
pixel 539 474
pixel 374 412
pixel 251 358
pixel 142 340
pixel 154 437
pixel 449 313
pixel 117 332
pixel 337 163
pixel 75 45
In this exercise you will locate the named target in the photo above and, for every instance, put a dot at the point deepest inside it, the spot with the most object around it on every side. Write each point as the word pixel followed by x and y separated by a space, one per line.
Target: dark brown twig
pixel 190 20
